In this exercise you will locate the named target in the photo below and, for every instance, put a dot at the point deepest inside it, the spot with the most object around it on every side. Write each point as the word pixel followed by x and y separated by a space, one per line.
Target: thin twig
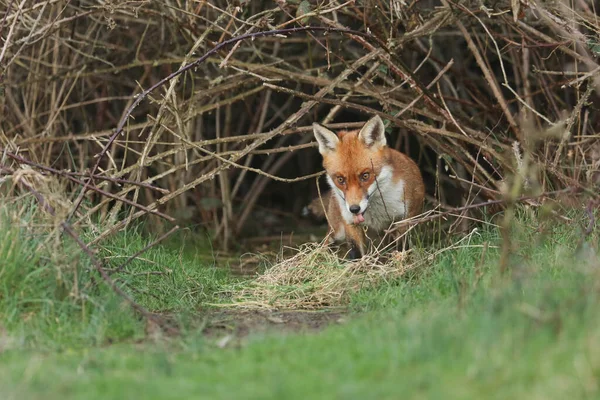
pixel 97 189
pixel 148 247
pixel 83 174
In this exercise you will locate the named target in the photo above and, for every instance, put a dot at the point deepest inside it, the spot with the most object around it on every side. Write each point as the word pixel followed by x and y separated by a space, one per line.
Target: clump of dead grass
pixel 316 277
pixel 24 186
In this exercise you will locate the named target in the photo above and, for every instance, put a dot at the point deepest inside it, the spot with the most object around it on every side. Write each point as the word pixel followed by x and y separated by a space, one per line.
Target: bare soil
pixel 240 323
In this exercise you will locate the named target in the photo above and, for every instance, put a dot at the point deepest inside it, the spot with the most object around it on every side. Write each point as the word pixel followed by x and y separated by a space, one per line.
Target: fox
pixel 372 185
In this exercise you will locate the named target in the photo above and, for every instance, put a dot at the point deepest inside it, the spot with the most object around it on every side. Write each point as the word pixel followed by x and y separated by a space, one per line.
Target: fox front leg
pixel 356 238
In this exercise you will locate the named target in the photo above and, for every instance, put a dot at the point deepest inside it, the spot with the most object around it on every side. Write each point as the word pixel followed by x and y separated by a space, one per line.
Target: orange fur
pixel 372 184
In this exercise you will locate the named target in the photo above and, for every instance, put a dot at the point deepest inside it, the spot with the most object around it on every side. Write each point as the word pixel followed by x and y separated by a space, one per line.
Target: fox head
pixel 353 160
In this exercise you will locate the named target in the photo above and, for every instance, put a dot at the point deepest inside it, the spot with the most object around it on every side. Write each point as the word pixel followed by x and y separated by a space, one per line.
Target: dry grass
pixel 315 277
pixel 17 203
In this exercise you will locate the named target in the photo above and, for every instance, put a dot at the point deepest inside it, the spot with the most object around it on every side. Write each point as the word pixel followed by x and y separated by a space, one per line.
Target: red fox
pixel 372 184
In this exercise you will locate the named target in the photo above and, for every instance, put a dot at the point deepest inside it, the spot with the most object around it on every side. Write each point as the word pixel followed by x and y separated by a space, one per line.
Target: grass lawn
pixel 453 328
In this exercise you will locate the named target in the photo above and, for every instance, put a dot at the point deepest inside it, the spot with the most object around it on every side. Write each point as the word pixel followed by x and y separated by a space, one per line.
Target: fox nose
pixel 354 209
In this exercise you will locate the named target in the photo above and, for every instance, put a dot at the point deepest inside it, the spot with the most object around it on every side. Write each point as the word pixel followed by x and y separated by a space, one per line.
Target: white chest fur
pixel 386 202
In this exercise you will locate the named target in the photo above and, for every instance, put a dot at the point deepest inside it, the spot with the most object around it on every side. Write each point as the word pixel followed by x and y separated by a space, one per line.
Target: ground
pixel 242 323
pixel 455 327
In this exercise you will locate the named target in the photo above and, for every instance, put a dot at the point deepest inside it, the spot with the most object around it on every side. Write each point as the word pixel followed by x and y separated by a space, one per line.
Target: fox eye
pixel 365 176
pixel 341 180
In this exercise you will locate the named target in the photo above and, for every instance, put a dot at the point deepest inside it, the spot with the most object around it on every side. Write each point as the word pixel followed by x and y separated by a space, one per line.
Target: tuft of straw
pixel 48 186
pixel 315 277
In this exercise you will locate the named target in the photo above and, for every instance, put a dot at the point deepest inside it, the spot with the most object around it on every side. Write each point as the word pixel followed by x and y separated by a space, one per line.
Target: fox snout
pixel 357 206
pixel 357 212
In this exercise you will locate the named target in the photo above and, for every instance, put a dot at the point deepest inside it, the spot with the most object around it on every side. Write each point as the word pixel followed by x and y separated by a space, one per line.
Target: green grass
pixel 454 329
pixel 51 297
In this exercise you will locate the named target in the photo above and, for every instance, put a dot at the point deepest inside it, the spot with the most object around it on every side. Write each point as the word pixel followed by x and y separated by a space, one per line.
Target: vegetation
pixel 454 327
pixel 156 155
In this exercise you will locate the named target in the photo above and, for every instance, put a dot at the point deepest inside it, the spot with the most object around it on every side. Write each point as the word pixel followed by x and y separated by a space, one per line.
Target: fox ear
pixel 373 133
pixel 328 140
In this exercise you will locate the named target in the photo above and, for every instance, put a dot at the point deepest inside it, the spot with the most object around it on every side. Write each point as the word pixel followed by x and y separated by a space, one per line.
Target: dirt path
pixel 239 324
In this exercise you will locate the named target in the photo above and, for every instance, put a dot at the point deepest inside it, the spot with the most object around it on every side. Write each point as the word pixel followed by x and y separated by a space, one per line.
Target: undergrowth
pixel 51 296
